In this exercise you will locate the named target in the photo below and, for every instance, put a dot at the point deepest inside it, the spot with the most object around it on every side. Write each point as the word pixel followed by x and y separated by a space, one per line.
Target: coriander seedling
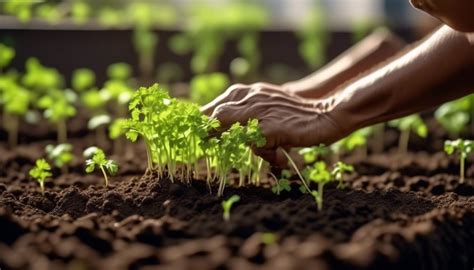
pixel 411 123
pixel 99 160
pixel 227 205
pixel 340 168
pixel 283 183
pixel 61 155
pixel 40 172
pixel 464 148
pixel 310 154
pixel 321 176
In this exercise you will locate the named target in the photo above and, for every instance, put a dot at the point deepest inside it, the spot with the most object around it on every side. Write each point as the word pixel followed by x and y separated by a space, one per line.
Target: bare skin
pixel 307 112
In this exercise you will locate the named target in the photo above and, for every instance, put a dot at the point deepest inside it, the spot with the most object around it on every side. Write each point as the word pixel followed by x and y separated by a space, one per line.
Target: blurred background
pixel 210 43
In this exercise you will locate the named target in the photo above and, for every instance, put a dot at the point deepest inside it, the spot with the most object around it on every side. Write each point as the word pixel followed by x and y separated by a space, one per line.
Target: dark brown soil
pixel 397 212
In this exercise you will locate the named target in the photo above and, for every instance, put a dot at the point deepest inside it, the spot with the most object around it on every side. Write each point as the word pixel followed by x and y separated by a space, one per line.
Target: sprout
pixel 283 183
pixel 340 168
pixel 99 123
pixel 16 101
pixel 406 125
pixel 6 55
pixel 351 142
pixel 227 205
pixel 464 148
pixel 99 160
pixel 310 154
pixel 206 87
pixel 40 172
pixel 58 108
pixel 454 116
pixel 61 155
pixel 321 176
pixel 83 79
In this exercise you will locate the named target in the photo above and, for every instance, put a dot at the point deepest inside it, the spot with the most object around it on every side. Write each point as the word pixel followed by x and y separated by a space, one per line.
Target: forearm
pixel 437 70
pixel 360 58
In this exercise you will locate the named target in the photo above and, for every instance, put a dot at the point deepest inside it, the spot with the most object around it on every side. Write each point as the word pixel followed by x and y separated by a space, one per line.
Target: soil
pixel 396 212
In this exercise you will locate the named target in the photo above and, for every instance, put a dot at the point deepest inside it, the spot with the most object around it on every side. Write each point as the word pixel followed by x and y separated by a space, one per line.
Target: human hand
pixel 286 120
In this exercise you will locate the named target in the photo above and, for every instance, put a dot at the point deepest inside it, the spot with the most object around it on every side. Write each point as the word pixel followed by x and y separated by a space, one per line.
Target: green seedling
pixel 311 154
pixel 406 125
pixel 16 101
pixel 455 116
pixel 40 172
pixel 61 155
pixel 340 168
pixel 463 148
pixel 319 174
pixel 97 160
pixel 58 109
pixel 205 87
pixel 227 205
pixel 357 139
pixel 41 79
pixel 99 124
pixel 83 79
pixel 283 183
pixel 6 56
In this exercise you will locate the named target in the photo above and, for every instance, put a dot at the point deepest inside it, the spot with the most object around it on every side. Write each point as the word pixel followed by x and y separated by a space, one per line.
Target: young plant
pixel 227 205
pixel 40 172
pixel 205 87
pixel 319 174
pixel 311 154
pixel 357 139
pixel 61 155
pixel 15 101
pixel 83 79
pixel 406 125
pixel 455 116
pixel 97 160
pixel 99 124
pixel 58 109
pixel 463 148
pixel 6 55
pixel 283 183
pixel 340 168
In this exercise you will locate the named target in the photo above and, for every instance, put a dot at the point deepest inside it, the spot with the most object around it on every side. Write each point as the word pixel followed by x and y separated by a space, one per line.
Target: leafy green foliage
pixel 411 123
pixel 83 79
pixel 119 71
pixel 99 161
pixel 60 154
pixel 356 139
pixel 58 107
pixel 206 87
pixel 176 136
pixel 6 55
pixel 41 78
pixel 40 172
pixel 340 168
pixel 227 205
pixel 310 154
pixel 116 129
pixel 283 183
pixel 463 148
pixel 454 116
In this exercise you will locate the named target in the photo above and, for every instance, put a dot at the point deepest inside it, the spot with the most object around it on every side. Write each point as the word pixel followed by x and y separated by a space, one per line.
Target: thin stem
pixel 42 186
pixel 62 131
pixel 320 195
pixel 105 175
pixel 461 173
pixel 403 141
pixel 296 169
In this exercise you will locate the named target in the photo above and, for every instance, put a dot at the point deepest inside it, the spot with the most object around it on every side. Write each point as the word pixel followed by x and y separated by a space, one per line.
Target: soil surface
pixel 396 212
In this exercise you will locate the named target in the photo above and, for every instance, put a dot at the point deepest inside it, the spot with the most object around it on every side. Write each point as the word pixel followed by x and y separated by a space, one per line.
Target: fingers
pixel 274 156
pixel 234 93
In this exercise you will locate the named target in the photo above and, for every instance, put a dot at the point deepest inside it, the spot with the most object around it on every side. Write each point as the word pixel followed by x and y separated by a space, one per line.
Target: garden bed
pixel 396 211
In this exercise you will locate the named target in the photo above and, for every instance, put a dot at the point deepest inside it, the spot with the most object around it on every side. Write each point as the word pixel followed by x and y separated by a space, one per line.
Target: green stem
pixel 105 176
pixel 296 169
pixel 461 172
pixel 42 186
pixel 320 195
pixel 403 141
pixel 62 131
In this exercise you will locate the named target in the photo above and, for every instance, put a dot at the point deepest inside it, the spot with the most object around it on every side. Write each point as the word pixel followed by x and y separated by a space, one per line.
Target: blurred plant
pixel 227 205
pixel 340 168
pixel 40 172
pixel 19 8
pixel 455 116
pixel 411 123
pixel 40 79
pixel 58 107
pixel 313 38
pixel 361 28
pixel 6 56
pixel 80 12
pixel 310 154
pixel 61 155
pixel 357 139
pixel 116 130
pixel 83 79
pixel 16 101
pixel 97 160
pixel 49 12
pixel 206 87
pixel 463 148
pixel 99 123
